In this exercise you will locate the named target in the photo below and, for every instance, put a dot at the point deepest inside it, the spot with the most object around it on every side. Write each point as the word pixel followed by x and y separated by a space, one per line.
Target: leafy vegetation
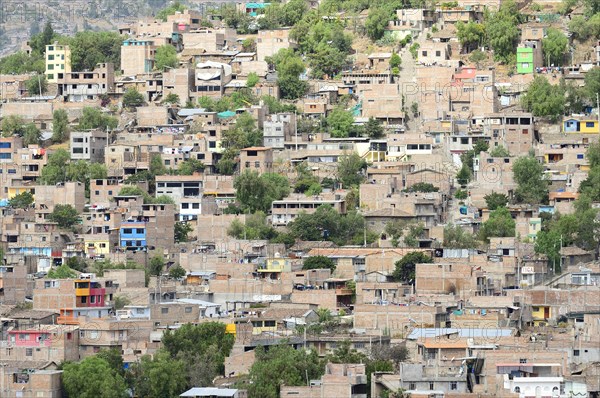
pixel 499 224
pixel 318 262
pixel 404 270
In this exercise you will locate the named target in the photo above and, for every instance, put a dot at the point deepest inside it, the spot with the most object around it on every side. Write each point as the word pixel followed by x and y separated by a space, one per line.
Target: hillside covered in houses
pixel 302 198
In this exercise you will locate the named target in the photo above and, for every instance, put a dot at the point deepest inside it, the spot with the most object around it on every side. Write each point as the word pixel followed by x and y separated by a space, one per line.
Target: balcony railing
pixel 344 292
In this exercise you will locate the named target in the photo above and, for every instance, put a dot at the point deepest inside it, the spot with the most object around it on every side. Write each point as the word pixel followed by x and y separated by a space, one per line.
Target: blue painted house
pixel 132 235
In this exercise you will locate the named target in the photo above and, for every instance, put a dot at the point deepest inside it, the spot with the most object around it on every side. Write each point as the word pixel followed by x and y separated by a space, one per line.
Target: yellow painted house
pixel 58 62
pixel 580 125
pixel 541 314
pixel 96 246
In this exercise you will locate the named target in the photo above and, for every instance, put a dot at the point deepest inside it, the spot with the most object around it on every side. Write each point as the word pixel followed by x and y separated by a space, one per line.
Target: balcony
pixel 82 292
pixel 344 292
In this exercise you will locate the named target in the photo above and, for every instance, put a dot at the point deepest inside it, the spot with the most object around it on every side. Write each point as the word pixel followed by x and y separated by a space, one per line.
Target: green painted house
pixel 524 60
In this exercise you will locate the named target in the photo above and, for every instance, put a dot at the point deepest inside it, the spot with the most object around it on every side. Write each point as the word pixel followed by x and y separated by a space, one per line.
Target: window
pixel 453 386
pixel 525 65
pixel 270 324
pixel 188 310
pixel 23 336
pixel 438 53
pixel 580 156
pixel 185 205
pixel 517 389
pixel 412 386
pixel 522 360
pixel 424 53
pixel 164 310
pixel 575 353
pixel 431 385
pixel 589 124
pixel 29 352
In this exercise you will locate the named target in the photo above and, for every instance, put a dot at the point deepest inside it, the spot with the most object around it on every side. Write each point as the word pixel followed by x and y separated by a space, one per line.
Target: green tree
pixel 60 125
pixel 373 129
pixel 106 383
pixel 318 262
pixel 157 264
pixel 13 125
pixel 502 30
pixel 404 270
pixel 132 98
pixel 172 98
pixel 544 99
pixel 158 377
pixel 177 272
pixel 20 62
pixel 455 237
pixel 289 67
pixel 90 48
pixel 532 186
pixel 555 46
pixel 464 175
pixel 190 166
pixel 414 233
pixel 423 187
pixel 131 191
pixel 470 34
pixel 61 272
pixel 93 118
pixel 592 80
pixel 292 12
pixel 339 122
pixel 21 201
pixel 291 366
pixel 55 170
pixel 461 194
pixel 114 359
pixel 31 135
pixel 252 79
pixel 165 57
pixel 395 60
pixel 376 23
pixel 327 224
pixel 157 165
pixel 477 57
pixel 499 152
pixel 350 170
pixel 495 200
pixel 121 302
pixel 326 60
pixel 256 227
pixel 182 230
pixel 37 85
pixel 207 344
pixel 76 263
pixel 66 216
pixel 256 192
pixel 500 224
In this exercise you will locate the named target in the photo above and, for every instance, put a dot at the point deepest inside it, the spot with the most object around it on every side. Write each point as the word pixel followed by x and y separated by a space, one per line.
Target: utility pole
pixel 296 128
